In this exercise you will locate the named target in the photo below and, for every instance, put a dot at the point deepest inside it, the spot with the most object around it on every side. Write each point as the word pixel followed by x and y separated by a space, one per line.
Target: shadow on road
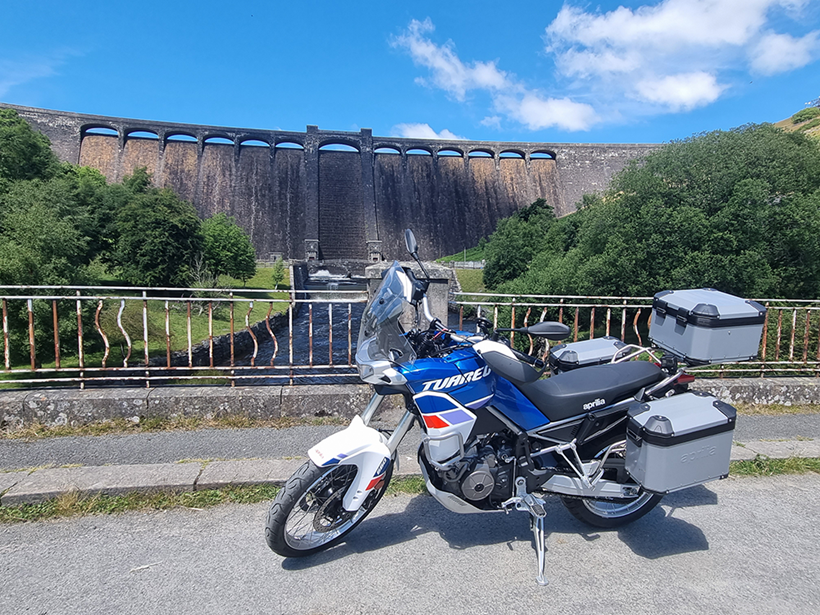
pixel 658 534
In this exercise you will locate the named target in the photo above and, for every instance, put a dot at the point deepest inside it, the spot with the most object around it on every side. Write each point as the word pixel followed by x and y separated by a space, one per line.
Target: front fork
pixel 401 429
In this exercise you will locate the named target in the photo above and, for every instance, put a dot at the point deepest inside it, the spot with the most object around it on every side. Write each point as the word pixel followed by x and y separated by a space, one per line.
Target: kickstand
pixel 527 502
pixel 540 547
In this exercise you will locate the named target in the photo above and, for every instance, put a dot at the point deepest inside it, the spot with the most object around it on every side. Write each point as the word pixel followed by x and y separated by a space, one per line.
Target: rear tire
pixel 307 515
pixel 610 512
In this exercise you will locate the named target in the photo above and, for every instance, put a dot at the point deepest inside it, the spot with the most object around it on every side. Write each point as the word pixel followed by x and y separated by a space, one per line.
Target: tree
pixel 24 153
pixel 735 210
pixel 516 240
pixel 159 238
pixel 278 273
pixel 227 248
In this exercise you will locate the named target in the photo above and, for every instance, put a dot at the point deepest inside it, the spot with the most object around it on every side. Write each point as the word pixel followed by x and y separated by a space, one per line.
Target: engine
pixel 484 476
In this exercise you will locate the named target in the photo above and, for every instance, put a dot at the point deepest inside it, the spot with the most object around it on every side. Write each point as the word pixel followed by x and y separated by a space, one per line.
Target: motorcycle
pixel 607 439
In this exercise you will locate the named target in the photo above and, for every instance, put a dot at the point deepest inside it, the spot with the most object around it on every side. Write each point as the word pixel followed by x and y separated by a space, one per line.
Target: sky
pixel 644 71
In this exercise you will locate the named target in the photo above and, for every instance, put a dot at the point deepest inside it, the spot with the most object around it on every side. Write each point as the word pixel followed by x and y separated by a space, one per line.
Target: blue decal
pixel 512 403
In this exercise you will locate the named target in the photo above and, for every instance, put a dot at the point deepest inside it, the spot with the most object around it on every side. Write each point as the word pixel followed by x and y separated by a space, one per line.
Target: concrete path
pixel 212 458
pixel 742 545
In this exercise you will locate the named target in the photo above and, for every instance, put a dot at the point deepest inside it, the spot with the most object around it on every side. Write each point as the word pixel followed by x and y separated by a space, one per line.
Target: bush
pixel 737 210
pixel 805 115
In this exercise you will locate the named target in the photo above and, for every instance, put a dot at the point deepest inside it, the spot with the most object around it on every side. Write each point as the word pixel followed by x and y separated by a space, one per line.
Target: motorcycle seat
pixel 581 390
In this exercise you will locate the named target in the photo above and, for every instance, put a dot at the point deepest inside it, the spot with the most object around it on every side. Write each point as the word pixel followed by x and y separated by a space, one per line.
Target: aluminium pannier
pixel 706 326
pixel 679 441
pixel 566 357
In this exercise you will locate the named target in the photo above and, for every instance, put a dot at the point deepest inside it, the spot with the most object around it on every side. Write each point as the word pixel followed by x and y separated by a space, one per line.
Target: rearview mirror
pixel 410 242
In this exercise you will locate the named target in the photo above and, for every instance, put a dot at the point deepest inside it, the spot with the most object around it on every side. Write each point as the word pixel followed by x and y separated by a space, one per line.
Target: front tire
pixel 612 513
pixel 307 515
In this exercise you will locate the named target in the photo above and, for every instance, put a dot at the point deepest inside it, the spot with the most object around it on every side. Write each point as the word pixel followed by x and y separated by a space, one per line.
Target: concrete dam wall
pixel 338 195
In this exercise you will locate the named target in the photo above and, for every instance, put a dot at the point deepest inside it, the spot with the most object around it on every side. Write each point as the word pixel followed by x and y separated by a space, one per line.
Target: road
pixel 167 447
pixel 742 545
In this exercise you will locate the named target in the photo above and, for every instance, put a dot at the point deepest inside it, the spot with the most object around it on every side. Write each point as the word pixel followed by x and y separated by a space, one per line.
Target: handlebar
pixel 535 362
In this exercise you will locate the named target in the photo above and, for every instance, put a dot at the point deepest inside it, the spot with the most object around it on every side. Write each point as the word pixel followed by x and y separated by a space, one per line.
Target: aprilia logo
pixel 706 451
pixel 457 380
pixel 594 404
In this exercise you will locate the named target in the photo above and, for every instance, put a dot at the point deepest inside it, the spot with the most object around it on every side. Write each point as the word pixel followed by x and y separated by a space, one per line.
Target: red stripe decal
pixel 374 482
pixel 434 422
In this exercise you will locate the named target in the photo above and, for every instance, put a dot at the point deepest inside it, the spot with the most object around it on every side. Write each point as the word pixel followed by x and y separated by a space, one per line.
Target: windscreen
pixel 380 330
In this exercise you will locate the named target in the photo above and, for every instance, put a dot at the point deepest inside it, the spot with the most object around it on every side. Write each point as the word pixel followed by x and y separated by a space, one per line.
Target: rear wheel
pixel 611 512
pixel 307 515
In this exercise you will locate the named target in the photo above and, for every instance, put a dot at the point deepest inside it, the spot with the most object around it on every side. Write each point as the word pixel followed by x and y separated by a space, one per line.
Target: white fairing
pixel 358 445
pixel 444 442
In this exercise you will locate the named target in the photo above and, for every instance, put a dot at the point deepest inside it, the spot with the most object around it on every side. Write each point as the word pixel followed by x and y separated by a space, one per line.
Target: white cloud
pixel 778 53
pixel 423 131
pixel 448 72
pixel 14 73
pixel 492 121
pixel 538 113
pixel 681 92
pixel 665 56
pixel 510 97
pixel 638 54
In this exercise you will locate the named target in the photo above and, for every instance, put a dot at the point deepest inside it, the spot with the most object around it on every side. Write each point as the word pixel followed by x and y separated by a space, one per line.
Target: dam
pixel 323 194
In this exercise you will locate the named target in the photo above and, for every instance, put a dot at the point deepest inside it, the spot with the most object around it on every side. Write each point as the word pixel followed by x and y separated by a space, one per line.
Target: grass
pixel 764 466
pixel 72 504
pixel 39 431
pixel 471 280
pixel 473 254
pixel 773 409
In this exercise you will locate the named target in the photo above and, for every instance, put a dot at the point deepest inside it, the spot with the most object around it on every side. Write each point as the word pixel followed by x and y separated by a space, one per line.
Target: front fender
pixel 357 445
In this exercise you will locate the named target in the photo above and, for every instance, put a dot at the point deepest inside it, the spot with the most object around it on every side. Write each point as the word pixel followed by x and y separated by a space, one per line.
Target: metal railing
pixel 72 338
pixel 83 335
pixel 790 344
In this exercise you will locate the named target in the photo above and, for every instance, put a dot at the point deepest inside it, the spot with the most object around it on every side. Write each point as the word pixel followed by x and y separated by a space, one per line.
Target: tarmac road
pixel 742 545
pixel 167 447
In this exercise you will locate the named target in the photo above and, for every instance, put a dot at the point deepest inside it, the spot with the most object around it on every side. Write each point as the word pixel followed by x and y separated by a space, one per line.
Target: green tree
pixel 277 273
pixel 735 210
pixel 515 242
pixel 24 153
pixel 227 248
pixel 159 237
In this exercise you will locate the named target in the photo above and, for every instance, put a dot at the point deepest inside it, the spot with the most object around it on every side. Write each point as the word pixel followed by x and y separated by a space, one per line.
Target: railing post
pixel 145 337
pixel 32 353
pixel 81 354
pixel 56 333
pixel 6 351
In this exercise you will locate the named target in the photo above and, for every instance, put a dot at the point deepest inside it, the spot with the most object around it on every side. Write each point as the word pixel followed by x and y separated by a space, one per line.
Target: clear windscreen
pixel 380 332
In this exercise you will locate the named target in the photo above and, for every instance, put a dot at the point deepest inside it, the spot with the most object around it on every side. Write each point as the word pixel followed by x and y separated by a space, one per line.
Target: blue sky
pixel 631 72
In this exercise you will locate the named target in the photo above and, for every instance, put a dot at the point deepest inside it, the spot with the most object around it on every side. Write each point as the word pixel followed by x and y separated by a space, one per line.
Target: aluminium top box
pixel 680 441
pixel 706 326
pixel 566 357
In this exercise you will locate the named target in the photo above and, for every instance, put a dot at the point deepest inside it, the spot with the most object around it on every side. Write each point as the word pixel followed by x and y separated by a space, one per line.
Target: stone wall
pixel 75 407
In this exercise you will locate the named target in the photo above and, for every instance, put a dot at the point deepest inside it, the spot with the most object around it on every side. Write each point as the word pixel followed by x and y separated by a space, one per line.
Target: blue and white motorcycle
pixel 497 437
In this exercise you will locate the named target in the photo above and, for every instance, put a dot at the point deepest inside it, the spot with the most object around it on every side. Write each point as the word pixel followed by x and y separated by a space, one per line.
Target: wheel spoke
pixel 318 518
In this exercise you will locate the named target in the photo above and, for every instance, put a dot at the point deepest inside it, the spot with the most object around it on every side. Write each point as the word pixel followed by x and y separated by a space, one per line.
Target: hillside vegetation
pixel 806 121
pixel 736 210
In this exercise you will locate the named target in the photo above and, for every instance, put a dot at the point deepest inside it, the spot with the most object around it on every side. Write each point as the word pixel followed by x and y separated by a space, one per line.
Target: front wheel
pixel 611 513
pixel 307 515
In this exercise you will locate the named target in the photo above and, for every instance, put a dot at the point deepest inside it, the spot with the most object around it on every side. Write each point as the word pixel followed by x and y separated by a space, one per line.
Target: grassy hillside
pixel 806 120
